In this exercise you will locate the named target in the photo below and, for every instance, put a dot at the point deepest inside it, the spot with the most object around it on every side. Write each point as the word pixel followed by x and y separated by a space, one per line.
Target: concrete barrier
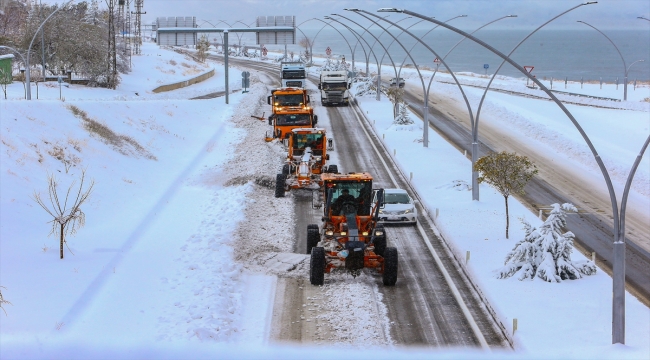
pixel 184 83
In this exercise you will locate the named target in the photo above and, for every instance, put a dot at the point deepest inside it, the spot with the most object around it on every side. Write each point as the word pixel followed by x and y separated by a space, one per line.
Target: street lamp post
pixel 425 130
pixel 625 67
pixel 27 79
pixel 359 38
pixel 379 63
pixel 311 52
pixel 475 193
pixel 618 303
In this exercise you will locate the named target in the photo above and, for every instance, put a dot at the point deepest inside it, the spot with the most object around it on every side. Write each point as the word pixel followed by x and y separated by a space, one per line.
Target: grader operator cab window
pixel 293 119
pixel 314 141
pixel 360 191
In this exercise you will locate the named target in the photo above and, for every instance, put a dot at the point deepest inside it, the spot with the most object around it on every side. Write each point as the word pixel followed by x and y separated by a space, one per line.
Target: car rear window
pixel 397 199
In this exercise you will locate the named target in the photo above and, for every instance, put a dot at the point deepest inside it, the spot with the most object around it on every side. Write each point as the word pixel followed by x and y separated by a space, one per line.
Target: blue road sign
pixel 486 66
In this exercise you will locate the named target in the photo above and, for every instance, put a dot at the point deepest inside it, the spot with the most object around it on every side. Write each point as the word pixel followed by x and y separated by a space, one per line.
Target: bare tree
pixel 5 79
pixel 507 172
pixel 395 95
pixel 65 220
pixel 3 302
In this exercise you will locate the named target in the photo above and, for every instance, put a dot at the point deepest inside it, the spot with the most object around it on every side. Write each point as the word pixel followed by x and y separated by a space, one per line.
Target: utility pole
pixel 138 34
pixel 112 54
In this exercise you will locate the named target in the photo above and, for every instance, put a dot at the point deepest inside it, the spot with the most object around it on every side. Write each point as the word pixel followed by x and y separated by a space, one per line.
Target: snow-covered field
pixel 171 263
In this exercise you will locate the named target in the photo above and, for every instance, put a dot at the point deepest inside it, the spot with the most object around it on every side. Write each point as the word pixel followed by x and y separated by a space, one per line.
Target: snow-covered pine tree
pixel 403 117
pixel 546 252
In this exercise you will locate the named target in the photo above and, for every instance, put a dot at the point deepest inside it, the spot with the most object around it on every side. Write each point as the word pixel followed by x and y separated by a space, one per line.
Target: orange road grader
pixel 306 161
pixel 290 110
pixel 350 237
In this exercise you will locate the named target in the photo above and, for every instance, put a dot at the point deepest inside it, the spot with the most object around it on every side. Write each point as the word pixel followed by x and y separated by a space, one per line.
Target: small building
pixel 6 66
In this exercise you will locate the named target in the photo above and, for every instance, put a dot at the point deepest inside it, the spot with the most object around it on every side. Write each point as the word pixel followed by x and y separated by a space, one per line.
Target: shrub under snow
pixel 546 252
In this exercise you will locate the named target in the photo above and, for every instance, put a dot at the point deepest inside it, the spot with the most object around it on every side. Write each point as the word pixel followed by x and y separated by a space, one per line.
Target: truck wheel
pixel 313 237
pixel 390 266
pixel 334 169
pixel 317 266
pixel 285 169
pixel 380 241
pixel 280 179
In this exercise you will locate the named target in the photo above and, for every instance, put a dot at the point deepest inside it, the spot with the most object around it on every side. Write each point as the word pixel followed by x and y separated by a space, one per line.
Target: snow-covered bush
pixel 402 117
pixel 546 252
pixel 334 65
pixel 366 86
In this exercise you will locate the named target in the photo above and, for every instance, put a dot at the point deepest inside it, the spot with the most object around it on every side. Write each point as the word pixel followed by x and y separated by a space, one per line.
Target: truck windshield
pixel 335 86
pixel 293 74
pixel 289 100
pixel 293 119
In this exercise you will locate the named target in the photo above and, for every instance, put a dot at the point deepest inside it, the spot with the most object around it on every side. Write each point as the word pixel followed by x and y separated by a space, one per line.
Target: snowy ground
pixel 173 263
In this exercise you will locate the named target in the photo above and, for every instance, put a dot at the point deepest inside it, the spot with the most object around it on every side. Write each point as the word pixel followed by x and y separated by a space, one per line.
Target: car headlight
pixel 379 233
pixel 381 211
pixel 408 211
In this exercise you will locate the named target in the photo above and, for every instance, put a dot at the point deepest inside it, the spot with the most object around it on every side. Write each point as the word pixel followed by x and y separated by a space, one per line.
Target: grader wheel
pixel 280 180
pixel 390 266
pixel 317 266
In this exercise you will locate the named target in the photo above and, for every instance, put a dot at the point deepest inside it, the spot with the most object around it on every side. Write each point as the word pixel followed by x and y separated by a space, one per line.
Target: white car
pixel 398 207
pixel 397 82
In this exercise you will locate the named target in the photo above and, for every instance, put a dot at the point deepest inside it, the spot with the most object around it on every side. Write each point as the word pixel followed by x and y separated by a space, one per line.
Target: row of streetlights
pixel 618 306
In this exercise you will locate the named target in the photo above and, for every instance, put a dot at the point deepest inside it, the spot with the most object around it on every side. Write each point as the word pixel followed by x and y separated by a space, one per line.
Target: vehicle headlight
pixel 379 233
pixel 365 233
pixel 408 211
pixel 344 233
pixel 329 233
pixel 381 211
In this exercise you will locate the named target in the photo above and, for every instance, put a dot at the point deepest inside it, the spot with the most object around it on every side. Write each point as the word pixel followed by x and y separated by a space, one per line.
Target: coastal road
pixel 593 226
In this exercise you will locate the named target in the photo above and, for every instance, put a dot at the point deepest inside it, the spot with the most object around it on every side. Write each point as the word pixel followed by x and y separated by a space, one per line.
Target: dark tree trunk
pixel 507 217
pixel 61 242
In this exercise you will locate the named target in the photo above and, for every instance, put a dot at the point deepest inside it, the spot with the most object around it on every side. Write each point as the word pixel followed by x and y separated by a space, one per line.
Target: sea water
pixel 572 54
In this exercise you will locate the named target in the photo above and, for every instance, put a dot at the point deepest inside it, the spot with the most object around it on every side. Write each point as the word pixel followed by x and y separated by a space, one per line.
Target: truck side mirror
pixel 271 120
pixel 349 86
pixel 308 99
pixel 315 119
pixel 268 100
pixel 319 87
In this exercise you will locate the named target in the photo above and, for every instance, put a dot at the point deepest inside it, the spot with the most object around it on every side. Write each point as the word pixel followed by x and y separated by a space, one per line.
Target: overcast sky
pixel 607 14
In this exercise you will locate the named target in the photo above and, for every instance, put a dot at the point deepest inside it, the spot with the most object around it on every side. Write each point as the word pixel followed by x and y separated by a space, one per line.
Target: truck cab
pixel 290 110
pixel 292 74
pixel 334 87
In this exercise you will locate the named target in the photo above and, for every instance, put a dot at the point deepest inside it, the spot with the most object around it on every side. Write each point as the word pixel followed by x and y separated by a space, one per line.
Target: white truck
pixel 292 74
pixel 334 87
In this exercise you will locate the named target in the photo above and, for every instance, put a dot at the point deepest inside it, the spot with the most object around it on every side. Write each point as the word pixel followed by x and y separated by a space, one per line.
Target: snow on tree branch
pixel 546 252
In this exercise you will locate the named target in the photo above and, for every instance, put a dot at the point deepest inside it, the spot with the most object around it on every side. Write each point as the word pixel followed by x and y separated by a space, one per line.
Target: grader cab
pixel 306 161
pixel 349 237
pixel 290 110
